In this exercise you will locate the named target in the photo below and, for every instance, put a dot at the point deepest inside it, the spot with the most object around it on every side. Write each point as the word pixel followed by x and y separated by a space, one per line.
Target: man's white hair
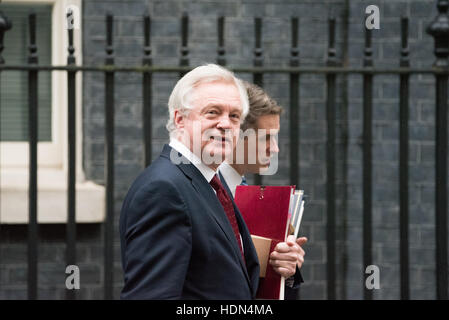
pixel 182 92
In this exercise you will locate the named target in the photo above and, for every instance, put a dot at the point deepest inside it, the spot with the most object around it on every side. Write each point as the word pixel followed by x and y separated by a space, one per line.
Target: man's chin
pixel 263 168
pixel 215 154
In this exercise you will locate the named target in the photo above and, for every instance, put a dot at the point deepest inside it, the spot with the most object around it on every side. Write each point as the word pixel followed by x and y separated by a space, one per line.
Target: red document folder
pixel 265 210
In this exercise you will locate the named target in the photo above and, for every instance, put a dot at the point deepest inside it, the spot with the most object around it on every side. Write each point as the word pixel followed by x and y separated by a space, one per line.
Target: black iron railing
pixel 439 29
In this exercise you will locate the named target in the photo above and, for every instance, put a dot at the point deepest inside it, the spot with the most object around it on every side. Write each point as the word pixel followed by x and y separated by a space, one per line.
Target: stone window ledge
pixel 51 197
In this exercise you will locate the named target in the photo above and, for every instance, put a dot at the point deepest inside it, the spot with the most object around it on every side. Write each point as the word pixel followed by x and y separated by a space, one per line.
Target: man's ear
pixel 179 119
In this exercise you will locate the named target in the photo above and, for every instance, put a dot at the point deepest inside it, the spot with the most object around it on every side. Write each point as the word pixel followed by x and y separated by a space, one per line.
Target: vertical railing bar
pixel 5 25
pixel 258 62
pixel 71 177
pixel 330 156
pixel 294 104
pixel 294 121
pixel 221 50
pixel 403 163
pixel 32 132
pixel 109 165
pixel 147 92
pixel 343 207
pixel 439 29
pixel 184 60
pixel 367 161
pixel 441 187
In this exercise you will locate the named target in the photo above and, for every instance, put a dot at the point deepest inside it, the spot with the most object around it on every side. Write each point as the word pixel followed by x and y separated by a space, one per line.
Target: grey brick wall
pixel 312 165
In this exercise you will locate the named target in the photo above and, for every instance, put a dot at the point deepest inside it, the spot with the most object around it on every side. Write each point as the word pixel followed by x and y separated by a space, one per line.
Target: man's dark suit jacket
pixel 177 242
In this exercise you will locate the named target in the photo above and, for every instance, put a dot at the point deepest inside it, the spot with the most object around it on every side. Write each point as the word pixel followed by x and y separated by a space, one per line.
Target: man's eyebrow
pixel 210 105
pixel 219 106
pixel 239 110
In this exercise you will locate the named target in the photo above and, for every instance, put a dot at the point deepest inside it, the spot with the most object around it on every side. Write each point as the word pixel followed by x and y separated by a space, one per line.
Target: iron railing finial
pixel 5 25
pixel 439 29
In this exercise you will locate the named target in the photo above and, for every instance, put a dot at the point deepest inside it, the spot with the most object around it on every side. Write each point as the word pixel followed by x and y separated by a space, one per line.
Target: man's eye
pixel 212 112
pixel 236 116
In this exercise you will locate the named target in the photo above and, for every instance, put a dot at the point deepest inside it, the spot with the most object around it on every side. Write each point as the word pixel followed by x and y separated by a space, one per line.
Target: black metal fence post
pixel 439 29
pixel 184 60
pixel 109 165
pixel 258 76
pixel 71 176
pixel 367 161
pixel 32 133
pixel 330 158
pixel 147 91
pixel 294 104
pixel 403 162
pixel 221 50
pixel 5 25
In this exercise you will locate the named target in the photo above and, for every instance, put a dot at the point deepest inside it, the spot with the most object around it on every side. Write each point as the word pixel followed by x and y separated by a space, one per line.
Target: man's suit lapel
pixel 209 197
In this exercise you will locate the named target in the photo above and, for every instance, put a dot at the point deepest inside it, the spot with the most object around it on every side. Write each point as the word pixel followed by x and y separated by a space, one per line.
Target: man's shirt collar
pixel 207 172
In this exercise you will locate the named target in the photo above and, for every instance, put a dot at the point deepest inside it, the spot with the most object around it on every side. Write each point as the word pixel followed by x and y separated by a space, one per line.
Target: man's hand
pixel 287 255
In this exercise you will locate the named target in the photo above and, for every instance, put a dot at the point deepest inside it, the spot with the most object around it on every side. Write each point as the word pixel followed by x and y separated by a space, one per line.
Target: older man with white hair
pixel 182 237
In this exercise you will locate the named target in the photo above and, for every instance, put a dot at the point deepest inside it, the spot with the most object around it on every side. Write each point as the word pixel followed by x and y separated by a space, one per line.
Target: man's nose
pixel 274 146
pixel 224 122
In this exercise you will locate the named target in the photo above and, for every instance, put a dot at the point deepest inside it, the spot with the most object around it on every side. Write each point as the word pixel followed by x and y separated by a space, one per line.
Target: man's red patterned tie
pixel 226 202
